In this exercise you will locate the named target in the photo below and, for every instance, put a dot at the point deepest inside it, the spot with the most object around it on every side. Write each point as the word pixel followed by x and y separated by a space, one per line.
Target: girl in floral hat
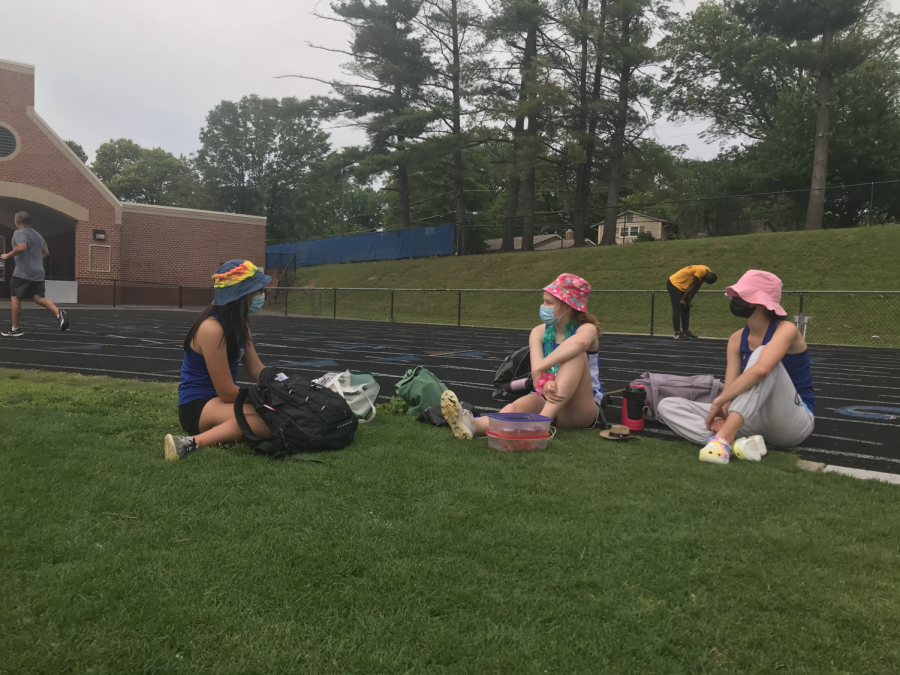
pixel 564 363
pixel 768 395
pixel 218 340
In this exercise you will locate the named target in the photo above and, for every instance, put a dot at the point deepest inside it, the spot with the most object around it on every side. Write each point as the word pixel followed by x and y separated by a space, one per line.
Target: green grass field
pixel 860 260
pixel 411 552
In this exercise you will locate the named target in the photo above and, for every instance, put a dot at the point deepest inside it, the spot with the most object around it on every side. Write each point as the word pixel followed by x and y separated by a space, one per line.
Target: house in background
pixel 761 226
pixel 542 242
pixel 631 223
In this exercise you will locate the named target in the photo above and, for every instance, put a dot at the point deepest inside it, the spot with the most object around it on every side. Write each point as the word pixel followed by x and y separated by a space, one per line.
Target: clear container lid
pixel 519 417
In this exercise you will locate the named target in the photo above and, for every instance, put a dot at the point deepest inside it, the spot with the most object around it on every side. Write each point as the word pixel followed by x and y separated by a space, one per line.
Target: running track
pixel 857 389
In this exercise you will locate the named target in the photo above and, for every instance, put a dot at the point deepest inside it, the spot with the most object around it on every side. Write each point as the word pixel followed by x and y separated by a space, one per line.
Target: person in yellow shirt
pixel 682 287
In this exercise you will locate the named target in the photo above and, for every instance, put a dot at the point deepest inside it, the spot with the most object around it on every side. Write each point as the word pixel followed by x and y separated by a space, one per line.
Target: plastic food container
pixel 517 443
pixel 519 424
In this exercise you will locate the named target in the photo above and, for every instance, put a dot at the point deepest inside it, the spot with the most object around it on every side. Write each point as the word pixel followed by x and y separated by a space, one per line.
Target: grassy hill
pixel 857 259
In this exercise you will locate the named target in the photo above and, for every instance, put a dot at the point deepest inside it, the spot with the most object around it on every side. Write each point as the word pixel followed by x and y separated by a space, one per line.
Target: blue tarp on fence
pixel 420 242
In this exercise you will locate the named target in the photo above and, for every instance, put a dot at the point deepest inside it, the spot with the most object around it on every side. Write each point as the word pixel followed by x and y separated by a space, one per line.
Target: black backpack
pixel 303 416
pixel 513 379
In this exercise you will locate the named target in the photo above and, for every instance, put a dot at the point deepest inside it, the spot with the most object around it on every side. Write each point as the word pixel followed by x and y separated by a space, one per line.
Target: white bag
pixel 359 389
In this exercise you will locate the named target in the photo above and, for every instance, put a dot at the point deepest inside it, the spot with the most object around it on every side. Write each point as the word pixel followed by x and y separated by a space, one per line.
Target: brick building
pixel 102 250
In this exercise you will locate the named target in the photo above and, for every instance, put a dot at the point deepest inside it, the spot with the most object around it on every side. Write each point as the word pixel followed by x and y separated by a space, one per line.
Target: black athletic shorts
pixel 25 289
pixel 189 415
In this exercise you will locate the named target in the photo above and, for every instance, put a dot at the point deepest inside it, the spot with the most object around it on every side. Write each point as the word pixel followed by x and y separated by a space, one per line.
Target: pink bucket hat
pixel 572 290
pixel 759 288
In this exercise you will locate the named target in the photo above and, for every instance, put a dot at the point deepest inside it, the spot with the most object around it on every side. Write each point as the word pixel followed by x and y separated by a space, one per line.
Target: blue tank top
pixel 796 365
pixel 195 380
pixel 593 363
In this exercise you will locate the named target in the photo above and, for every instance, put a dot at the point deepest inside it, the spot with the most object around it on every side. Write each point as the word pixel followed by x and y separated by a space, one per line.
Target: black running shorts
pixel 25 289
pixel 189 414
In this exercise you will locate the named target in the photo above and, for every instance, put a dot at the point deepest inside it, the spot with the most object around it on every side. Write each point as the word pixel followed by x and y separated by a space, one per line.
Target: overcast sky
pixel 150 70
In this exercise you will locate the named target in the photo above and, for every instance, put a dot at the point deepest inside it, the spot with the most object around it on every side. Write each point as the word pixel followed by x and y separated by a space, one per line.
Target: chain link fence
pixel 861 318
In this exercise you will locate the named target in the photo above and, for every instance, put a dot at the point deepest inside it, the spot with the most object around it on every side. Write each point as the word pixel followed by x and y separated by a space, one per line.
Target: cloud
pixel 152 70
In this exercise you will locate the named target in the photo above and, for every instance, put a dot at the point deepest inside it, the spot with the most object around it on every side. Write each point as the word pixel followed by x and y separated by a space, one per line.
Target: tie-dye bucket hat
pixel 572 290
pixel 237 278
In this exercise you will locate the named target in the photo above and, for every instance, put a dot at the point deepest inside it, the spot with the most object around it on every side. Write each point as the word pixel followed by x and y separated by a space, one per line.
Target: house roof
pixel 638 213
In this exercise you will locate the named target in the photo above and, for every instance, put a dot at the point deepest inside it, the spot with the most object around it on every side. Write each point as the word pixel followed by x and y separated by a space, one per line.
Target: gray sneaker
pixel 12 332
pixel 63 319
pixel 680 336
pixel 179 446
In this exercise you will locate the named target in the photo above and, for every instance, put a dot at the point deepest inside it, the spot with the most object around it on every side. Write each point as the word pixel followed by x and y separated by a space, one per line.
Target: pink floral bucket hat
pixel 759 288
pixel 572 290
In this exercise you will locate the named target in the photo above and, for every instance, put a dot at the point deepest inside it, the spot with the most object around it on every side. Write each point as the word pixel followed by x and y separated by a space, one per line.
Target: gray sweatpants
pixel 772 409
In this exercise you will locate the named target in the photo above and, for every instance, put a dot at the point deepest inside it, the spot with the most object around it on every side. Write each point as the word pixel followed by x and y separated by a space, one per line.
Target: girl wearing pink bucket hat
pixel 564 363
pixel 768 395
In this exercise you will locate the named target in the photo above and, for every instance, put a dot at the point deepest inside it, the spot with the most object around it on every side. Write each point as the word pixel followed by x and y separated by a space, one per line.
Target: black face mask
pixel 742 309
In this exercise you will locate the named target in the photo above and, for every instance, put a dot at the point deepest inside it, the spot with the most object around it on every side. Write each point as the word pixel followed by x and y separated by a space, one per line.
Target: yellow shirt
pixel 682 278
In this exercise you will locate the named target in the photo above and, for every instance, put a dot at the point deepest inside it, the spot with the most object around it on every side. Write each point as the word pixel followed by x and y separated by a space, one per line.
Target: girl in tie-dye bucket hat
pixel 219 339
pixel 565 366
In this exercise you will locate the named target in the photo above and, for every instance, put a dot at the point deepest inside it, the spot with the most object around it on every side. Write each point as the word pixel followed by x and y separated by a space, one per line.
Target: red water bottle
pixel 634 398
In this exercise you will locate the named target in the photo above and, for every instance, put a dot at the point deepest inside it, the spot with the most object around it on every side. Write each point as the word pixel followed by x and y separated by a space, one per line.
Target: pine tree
pixel 388 99
pixel 452 35
pixel 629 29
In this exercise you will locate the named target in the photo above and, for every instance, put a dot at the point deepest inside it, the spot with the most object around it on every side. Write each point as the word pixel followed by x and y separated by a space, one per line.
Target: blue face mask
pixel 548 316
pixel 257 304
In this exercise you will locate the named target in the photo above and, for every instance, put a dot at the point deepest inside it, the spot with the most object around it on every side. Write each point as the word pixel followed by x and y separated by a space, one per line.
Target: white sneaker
pixel 752 448
pixel 460 420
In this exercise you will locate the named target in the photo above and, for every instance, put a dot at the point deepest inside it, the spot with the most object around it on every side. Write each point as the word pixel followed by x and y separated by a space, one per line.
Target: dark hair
pixel 711 277
pixel 234 318
pixel 23 218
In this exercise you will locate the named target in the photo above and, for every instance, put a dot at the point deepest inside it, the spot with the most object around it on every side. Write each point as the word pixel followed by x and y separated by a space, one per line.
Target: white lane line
pixel 842 419
pixel 844 438
pixel 95 354
pixel 45 367
pixel 863 474
pixel 840 453
pixel 824 397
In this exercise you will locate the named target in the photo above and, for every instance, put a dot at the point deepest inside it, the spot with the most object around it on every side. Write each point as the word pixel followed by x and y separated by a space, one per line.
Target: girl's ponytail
pixel 585 317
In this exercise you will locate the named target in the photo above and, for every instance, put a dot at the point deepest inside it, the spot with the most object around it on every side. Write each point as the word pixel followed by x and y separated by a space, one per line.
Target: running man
pixel 29 249
pixel 682 287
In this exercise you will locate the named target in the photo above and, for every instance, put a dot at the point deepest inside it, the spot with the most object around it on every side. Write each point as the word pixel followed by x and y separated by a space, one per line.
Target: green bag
pixel 420 389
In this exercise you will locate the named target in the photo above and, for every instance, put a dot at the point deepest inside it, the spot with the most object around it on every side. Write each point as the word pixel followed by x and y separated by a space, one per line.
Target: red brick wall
pixel 41 163
pixel 185 251
pixel 146 249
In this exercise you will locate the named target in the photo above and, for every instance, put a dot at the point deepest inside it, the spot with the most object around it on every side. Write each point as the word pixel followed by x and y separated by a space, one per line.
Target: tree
pixel 517 23
pixel 718 68
pixel 258 157
pixel 147 175
pixel 78 150
pixel 630 28
pixel 113 156
pixel 846 42
pixel 864 147
pixel 590 90
pixel 752 83
pixel 451 33
pixel 388 99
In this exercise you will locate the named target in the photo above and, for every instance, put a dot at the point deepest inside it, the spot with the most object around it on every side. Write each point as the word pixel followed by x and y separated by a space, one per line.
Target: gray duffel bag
pixel 700 388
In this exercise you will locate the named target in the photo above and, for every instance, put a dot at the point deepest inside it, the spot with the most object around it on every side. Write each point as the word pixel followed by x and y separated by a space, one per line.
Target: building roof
pixel 638 213
pixel 118 205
